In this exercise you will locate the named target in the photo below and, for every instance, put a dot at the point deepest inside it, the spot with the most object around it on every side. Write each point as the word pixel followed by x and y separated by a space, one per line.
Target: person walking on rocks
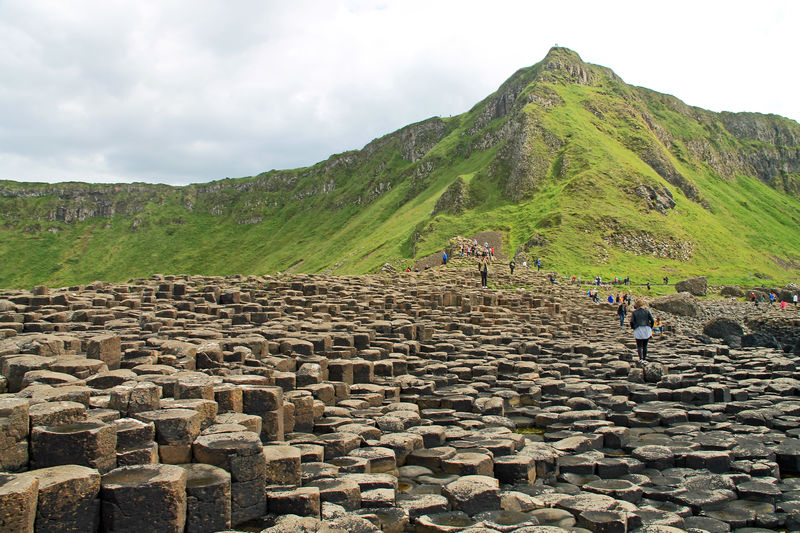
pixel 622 312
pixel 794 300
pixel 444 258
pixel 642 323
pixel 511 266
pixel 538 265
pixel 484 275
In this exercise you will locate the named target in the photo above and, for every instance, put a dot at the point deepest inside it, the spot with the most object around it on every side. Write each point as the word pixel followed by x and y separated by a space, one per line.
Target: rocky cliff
pixel 564 156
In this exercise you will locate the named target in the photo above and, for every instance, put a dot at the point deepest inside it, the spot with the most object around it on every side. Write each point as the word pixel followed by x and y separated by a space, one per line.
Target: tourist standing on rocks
pixel 511 265
pixel 794 299
pixel 642 323
pixel 444 258
pixel 538 265
pixel 622 312
pixel 484 275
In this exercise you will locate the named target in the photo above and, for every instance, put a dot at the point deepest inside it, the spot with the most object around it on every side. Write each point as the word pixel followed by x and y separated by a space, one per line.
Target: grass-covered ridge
pixel 565 159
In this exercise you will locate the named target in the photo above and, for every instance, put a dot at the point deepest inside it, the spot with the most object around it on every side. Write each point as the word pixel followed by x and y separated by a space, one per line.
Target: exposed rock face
pixel 419 138
pixel 655 157
pixel 757 127
pixel 563 62
pixel 760 339
pixel 454 200
pixel 696 286
pixel 519 168
pixel 784 329
pixel 681 304
pixel 646 243
pixel 658 200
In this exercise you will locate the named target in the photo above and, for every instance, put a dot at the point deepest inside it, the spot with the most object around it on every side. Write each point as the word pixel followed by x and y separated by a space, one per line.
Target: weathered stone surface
pixel 722 327
pixel 56 413
pixel 107 348
pixel 208 498
pixel 68 499
pixel 302 501
pixel 681 304
pixel 144 498
pixel 282 465
pixel 473 494
pixel 695 286
pixel 90 443
pixel 18 500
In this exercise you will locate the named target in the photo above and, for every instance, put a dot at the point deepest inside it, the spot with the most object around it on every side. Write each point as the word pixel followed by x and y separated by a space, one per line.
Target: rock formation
pixel 393 402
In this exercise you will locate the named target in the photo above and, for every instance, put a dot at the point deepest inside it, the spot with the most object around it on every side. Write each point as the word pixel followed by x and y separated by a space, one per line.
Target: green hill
pixel 565 160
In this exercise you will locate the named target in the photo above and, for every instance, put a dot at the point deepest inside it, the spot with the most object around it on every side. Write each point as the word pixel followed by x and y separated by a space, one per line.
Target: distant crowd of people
pixel 486 252
pixel 760 299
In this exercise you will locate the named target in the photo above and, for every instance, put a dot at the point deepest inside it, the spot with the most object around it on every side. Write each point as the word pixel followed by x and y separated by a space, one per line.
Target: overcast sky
pixel 190 91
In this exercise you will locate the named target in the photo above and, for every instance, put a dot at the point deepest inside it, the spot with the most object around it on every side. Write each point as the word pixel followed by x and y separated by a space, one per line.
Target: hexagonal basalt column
pixel 69 498
pixel 18 497
pixel 241 455
pixel 208 493
pixel 90 443
pixel 176 429
pixel 144 498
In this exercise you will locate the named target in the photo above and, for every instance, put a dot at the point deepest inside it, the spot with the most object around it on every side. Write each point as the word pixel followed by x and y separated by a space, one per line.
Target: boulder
pixel 760 339
pixel 787 293
pixel 722 327
pixel 681 304
pixel 731 290
pixel 695 286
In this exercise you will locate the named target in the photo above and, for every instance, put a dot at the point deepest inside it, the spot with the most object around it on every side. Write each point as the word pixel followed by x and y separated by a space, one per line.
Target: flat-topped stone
pixel 144 498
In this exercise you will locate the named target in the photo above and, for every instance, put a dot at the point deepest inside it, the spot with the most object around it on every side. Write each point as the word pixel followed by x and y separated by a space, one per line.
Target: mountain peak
pixel 564 62
pixel 561 52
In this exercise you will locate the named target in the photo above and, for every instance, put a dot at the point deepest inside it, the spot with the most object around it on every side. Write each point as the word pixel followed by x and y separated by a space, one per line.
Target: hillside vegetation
pixel 567 161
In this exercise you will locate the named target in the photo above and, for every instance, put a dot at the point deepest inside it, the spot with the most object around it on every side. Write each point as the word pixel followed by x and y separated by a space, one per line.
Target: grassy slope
pixel 588 187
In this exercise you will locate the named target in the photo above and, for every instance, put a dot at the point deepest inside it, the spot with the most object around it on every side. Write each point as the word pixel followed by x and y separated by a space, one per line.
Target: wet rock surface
pixel 397 402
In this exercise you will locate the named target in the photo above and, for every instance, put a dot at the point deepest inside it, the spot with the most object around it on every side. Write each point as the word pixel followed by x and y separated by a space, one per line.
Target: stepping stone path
pixel 391 402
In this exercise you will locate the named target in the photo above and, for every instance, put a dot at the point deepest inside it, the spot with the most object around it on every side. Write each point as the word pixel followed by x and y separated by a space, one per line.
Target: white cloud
pixel 177 91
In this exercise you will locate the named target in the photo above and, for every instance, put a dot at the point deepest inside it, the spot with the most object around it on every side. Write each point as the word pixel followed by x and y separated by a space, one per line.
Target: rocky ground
pixel 394 402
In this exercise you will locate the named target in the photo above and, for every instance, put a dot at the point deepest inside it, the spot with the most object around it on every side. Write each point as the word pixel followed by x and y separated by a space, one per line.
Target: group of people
pixel 487 252
pixel 772 298
pixel 598 280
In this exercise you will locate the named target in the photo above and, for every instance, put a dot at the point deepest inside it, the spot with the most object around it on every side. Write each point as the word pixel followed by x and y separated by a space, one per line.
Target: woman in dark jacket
pixel 642 323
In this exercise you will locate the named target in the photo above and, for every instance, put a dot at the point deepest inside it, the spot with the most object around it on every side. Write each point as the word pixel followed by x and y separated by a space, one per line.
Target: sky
pixel 178 91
